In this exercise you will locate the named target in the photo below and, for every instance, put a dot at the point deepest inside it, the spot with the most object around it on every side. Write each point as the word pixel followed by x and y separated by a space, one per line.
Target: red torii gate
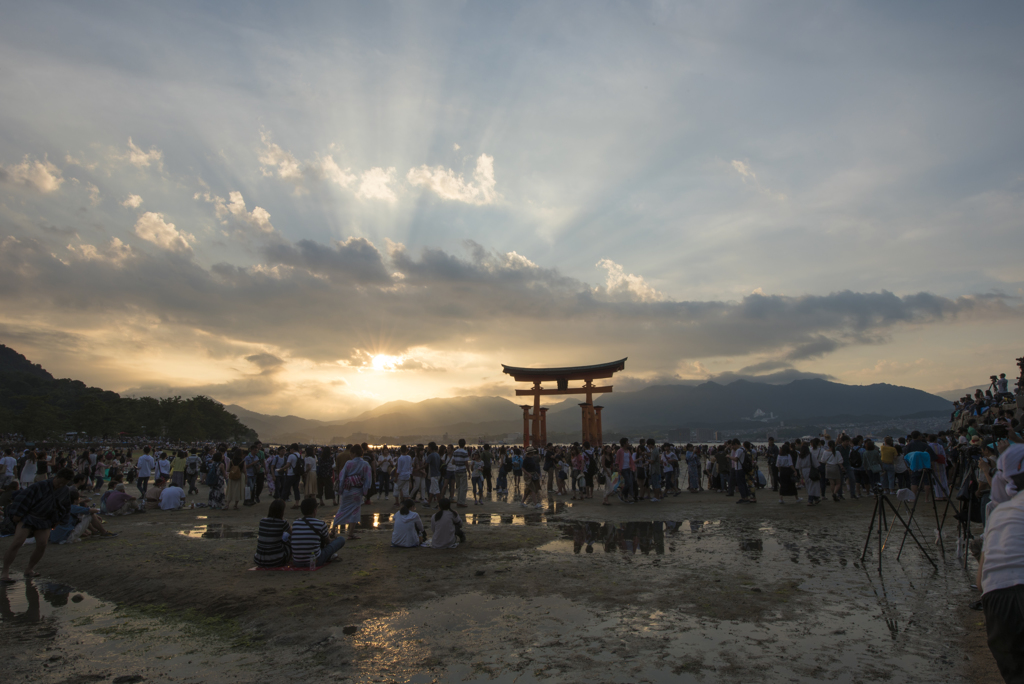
pixel 561 376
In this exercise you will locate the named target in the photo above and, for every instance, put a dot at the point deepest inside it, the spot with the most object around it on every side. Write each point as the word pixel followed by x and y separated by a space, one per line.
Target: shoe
pixel 781 501
pixel 653 500
pixel 539 506
pixel 798 499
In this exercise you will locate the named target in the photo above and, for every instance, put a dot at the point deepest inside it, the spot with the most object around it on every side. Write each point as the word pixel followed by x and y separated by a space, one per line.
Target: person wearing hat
pixel 1001 569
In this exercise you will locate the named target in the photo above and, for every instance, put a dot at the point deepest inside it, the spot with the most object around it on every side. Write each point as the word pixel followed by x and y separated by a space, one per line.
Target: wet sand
pixel 692 589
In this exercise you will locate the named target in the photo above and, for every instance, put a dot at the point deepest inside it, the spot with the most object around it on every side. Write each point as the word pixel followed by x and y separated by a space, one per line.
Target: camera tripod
pixel 881 501
pixel 926 485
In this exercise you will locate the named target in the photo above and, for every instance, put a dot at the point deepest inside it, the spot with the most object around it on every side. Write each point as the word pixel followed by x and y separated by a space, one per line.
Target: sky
pixel 315 208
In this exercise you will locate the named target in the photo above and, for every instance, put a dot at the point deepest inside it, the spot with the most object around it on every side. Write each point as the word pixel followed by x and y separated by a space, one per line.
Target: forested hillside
pixel 38 406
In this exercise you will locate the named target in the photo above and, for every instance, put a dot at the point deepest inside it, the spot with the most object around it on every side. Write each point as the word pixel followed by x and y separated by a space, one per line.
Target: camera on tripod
pixel 876 489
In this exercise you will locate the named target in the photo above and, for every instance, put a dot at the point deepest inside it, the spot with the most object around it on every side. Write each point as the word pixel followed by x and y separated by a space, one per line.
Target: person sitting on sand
pixel 271 549
pixel 80 523
pixel 446 528
pixel 117 502
pixel 172 498
pixel 311 544
pixel 408 531
pixel 153 493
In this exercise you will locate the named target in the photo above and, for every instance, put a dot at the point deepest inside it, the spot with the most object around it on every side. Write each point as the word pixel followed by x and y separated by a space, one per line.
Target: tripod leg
pixel 871 526
pixel 912 535
pixel 881 526
pixel 910 519
pixel 935 510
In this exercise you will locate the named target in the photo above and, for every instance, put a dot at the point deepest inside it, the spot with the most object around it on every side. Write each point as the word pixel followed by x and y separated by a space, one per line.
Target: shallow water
pixel 63 635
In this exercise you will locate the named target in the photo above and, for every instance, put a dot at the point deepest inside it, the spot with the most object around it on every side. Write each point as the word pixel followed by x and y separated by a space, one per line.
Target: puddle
pixel 69 636
pixel 217 531
pixel 479 638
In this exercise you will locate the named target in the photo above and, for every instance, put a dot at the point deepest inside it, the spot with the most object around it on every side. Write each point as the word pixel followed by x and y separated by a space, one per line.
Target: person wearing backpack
pixel 192 462
pixel 215 477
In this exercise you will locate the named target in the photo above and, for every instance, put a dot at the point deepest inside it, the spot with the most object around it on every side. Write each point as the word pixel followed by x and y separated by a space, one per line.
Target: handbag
pixel 815 474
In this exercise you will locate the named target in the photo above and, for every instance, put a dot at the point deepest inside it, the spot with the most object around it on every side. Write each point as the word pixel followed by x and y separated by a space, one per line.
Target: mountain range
pixel 651 410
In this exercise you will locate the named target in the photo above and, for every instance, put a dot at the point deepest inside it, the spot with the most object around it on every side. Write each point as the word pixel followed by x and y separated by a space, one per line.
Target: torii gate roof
pixel 601 370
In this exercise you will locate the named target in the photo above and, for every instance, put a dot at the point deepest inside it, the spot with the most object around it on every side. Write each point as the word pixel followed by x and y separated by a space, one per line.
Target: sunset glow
pixel 316 217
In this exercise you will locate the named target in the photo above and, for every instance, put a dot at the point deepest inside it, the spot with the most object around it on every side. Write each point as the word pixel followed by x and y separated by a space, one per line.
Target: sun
pixel 384 362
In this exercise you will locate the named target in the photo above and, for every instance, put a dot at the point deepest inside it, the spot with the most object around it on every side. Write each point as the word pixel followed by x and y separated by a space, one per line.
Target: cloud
pixel 258 218
pixel 72 161
pixel 744 170
pixel 376 184
pixel 329 170
pixel 618 282
pixel 276 161
pixel 142 159
pixel 115 253
pixel 41 176
pixel 133 201
pixel 345 297
pixel 152 227
pixel 94 195
pixel 354 260
pixel 449 186
pixel 265 361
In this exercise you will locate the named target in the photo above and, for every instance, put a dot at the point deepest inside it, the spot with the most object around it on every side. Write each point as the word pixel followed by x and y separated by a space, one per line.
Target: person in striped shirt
pixel 310 541
pixel 271 549
pixel 459 458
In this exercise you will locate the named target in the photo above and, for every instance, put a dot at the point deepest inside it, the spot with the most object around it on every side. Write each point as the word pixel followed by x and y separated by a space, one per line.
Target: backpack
pixel 235 473
pixel 213 475
pixel 191 468
pixel 855 460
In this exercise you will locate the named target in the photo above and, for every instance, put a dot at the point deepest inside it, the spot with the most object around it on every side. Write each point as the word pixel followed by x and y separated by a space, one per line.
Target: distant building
pixel 680 436
pixel 703 435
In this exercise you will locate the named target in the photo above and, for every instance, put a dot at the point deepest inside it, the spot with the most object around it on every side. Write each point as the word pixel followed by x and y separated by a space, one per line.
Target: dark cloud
pixel 355 259
pixel 814 348
pixel 265 361
pixel 328 303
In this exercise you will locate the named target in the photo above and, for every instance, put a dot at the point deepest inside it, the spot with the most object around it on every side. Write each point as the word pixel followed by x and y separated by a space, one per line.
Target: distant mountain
pixel 660 407
pixel 953 395
pixel 711 404
pixel 270 427
pixel 430 419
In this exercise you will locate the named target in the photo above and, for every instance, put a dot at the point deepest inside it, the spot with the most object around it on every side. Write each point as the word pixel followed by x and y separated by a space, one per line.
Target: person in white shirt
pixel 738 457
pixel 172 498
pixel 145 468
pixel 408 531
pixel 28 470
pixel 1001 570
pixel 404 472
pixel 163 466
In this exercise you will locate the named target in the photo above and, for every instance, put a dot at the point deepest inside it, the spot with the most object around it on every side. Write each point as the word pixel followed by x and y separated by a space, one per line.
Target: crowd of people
pixel 45 493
